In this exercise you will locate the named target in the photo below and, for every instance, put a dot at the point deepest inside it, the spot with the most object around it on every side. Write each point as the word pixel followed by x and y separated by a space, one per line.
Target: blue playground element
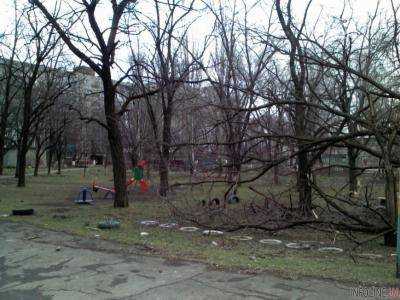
pixel 233 199
pixel 84 196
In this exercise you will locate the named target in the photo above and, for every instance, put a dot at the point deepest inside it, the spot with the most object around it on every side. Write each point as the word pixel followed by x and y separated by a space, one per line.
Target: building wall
pixel 10 159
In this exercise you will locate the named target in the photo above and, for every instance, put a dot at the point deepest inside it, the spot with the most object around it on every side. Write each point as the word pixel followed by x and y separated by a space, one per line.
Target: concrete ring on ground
pixel 331 249
pixel 271 242
pixel 149 223
pixel 298 246
pixel 370 255
pixel 110 224
pixel 189 229
pixel 241 238
pixel 212 232
pixel 23 212
pixel 169 225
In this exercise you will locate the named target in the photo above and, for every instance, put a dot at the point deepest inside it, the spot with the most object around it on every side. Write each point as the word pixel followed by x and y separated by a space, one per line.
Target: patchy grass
pixel 53 196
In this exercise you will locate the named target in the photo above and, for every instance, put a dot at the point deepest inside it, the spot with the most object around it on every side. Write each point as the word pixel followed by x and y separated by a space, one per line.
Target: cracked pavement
pixel 43 264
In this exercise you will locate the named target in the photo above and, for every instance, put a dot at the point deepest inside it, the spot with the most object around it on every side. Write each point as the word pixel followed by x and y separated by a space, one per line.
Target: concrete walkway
pixel 37 264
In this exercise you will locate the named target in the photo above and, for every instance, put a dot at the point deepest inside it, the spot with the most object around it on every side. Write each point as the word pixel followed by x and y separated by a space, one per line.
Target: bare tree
pixel 298 75
pixel 9 89
pixel 103 41
pixel 42 58
pixel 167 69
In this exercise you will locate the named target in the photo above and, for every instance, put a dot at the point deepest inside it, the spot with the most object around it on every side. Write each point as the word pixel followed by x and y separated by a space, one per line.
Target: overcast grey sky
pixel 332 7
pixel 361 9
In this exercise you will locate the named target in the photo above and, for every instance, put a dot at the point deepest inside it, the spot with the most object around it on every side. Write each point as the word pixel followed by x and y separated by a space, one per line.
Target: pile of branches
pixel 333 213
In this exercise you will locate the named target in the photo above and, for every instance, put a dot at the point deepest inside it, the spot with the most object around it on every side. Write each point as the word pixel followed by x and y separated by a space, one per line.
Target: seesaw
pixel 110 192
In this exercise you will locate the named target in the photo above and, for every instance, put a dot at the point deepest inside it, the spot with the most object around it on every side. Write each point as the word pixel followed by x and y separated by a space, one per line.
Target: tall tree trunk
pixel 352 160
pixel 165 152
pixel 17 162
pixel 234 158
pixel 234 168
pixel 115 141
pixel 37 162
pixel 21 166
pixel 133 157
pixel 276 167
pixel 59 159
pixel 303 183
pixel 163 173
pixel 24 139
pixel 298 73
pixel 49 161
pixel 303 161
pixel 231 171
pixel 391 193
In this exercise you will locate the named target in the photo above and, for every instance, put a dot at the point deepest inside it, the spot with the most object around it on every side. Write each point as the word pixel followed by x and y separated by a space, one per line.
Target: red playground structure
pixel 138 173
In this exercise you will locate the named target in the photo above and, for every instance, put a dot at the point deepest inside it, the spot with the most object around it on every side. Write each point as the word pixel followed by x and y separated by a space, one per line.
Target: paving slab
pixel 41 264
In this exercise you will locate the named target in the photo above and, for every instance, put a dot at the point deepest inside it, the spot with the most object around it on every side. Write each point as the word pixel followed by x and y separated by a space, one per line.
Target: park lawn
pixel 53 195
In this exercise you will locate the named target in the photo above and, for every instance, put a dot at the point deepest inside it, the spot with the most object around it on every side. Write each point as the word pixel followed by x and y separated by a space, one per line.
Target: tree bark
pixel 49 161
pixel 391 192
pixel 37 161
pixel 115 140
pixel 303 183
pixel 59 159
pixel 276 167
pixel 303 161
pixel 235 167
pixel 24 139
pixel 165 151
pixel 133 157
pixel 234 156
pixel 298 75
pixel 163 173
pixel 17 162
pixel 21 165
pixel 352 160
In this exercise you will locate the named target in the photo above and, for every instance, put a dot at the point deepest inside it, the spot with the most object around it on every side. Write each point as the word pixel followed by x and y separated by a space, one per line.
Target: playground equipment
pixel 233 199
pixel 84 196
pixel 230 196
pixel 109 191
pixel 137 172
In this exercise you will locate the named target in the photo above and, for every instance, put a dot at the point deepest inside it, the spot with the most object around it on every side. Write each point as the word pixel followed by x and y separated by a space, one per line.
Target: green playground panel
pixel 137 173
